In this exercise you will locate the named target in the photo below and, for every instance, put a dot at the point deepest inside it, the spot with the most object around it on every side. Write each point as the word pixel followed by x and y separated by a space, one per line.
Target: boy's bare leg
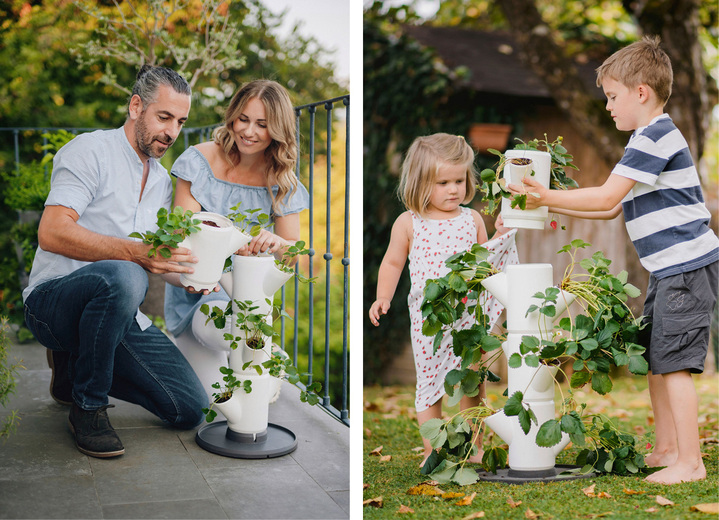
pixel 684 407
pixel 471 402
pixel 665 447
pixel 433 412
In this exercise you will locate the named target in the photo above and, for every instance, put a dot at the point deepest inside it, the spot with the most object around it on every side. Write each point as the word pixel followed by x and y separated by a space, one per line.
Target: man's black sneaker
pixel 60 384
pixel 94 434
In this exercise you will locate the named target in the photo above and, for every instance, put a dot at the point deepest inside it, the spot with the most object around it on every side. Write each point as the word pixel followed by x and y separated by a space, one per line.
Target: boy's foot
pixel 660 460
pixel 677 473
pixel 60 384
pixel 94 435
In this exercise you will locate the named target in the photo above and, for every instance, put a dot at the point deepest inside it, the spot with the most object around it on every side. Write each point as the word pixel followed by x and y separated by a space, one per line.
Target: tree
pixel 676 21
pixel 143 33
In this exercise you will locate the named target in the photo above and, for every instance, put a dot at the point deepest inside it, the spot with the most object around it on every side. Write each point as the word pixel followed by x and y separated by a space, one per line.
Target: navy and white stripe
pixel 665 213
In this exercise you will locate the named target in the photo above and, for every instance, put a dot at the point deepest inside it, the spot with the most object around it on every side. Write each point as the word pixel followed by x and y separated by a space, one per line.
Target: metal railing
pixel 339 405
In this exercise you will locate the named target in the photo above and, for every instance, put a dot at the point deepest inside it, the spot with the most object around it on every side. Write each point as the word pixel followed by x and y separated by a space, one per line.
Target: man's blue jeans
pixel 90 313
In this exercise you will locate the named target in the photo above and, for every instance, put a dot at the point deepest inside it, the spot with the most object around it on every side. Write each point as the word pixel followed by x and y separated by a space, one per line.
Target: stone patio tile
pixel 149 483
pixel 262 492
pixel 50 497
pixel 190 509
pixel 41 447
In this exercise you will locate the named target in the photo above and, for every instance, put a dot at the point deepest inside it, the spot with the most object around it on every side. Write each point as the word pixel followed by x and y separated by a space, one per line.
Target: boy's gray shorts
pixel 680 308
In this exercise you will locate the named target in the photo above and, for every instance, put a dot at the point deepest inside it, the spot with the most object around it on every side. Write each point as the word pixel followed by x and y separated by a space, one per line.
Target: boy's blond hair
pixel 642 62
pixel 420 167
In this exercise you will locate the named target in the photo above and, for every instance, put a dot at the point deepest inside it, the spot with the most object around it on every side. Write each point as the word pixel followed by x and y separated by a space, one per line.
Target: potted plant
pixel 485 136
pixel 493 185
pixel 222 398
pixel 172 228
pixel 603 335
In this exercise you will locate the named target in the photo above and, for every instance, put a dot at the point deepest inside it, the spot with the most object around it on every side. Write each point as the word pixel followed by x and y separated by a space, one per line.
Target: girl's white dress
pixel 433 242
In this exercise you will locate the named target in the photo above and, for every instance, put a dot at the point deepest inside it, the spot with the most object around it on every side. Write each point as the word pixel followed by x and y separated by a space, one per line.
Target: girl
pixel 437 176
pixel 250 160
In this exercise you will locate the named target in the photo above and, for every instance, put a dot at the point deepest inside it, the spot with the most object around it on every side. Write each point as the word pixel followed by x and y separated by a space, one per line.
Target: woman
pixel 250 161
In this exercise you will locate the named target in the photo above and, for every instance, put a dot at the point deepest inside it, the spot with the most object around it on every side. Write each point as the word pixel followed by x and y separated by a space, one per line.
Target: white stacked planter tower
pixel 514 289
pixel 247 433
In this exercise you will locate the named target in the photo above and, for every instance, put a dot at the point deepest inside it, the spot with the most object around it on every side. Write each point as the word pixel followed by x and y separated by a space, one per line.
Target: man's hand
pixel 160 265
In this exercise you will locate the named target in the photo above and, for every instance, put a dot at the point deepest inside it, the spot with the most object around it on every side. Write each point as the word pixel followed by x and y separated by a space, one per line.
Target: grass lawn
pixel 390 424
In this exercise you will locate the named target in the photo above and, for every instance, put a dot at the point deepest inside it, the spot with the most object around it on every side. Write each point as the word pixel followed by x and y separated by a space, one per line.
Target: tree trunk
pixel 693 93
pixel 540 52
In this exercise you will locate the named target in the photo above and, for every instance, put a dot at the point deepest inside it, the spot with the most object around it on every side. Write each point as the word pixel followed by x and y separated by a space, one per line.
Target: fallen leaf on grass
pixel 425 489
pixel 418 448
pixel 467 501
pixel 367 433
pixel 385 458
pixel 512 503
pixel 600 515
pixel 531 514
pixel 632 492
pixel 706 508
pixel 403 509
pixel 365 486
pixel 478 514
pixel 664 501
pixel 374 502
pixel 377 451
pixel 589 491
pixel 451 495
pixel 651 510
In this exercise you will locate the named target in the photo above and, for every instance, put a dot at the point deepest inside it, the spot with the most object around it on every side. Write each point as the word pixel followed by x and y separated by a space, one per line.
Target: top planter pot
pixel 217 239
pixel 483 136
pixel 538 169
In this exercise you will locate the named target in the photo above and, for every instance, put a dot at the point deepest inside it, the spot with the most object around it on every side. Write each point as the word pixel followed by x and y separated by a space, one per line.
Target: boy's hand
pixel 534 190
pixel 379 307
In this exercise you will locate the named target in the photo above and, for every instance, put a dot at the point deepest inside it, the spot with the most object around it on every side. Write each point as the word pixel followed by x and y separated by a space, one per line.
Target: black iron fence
pixel 315 142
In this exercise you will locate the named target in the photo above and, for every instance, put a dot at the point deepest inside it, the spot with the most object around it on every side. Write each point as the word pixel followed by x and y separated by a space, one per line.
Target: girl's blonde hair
pixel 420 167
pixel 281 154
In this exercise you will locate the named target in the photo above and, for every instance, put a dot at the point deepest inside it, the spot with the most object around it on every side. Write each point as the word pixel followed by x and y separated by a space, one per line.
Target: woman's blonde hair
pixel 281 154
pixel 420 167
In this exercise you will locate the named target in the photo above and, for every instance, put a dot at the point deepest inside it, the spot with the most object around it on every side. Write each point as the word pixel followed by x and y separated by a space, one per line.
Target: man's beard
pixel 145 140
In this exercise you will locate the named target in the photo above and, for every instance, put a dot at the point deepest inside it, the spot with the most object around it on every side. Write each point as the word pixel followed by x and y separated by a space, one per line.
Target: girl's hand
pixel 265 242
pixel 379 307
pixel 535 192
pixel 499 227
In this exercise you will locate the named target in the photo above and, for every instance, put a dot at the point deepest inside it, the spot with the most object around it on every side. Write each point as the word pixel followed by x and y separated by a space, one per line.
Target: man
pixel 88 279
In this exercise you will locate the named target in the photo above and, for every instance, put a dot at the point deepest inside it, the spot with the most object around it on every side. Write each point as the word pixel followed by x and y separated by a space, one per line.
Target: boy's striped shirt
pixel 665 213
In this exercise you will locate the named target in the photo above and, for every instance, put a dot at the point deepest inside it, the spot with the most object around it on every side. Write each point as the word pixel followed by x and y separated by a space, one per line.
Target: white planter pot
pixel 211 245
pixel 541 165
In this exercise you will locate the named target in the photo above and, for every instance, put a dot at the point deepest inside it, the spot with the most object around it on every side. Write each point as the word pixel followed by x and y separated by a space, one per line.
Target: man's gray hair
pixel 150 78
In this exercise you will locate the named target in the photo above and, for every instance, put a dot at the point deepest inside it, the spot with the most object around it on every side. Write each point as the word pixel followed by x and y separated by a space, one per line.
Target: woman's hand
pixel 264 242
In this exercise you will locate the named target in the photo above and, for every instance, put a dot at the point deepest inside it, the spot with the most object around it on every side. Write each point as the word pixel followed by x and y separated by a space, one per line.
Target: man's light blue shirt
pixel 99 175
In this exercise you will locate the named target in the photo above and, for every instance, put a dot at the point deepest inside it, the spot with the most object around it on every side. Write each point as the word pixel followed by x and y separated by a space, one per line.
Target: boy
pixel 658 188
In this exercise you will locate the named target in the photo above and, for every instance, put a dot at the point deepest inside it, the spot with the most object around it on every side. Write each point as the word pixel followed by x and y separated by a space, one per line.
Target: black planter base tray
pixel 217 438
pixel 555 474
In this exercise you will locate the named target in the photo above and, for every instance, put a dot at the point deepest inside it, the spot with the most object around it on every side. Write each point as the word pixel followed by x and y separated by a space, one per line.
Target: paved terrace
pixel 164 473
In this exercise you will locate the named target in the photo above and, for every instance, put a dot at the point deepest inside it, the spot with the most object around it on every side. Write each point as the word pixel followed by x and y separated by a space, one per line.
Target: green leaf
pixel 549 434
pixel 601 383
pixel 514 404
pixel 638 365
pixel 526 417
pixel 431 428
pixel 465 476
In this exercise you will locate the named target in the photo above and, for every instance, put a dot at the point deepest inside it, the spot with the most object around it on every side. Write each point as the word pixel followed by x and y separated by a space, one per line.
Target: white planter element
pixel 211 245
pixel 514 289
pixel 254 278
pixel 513 174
